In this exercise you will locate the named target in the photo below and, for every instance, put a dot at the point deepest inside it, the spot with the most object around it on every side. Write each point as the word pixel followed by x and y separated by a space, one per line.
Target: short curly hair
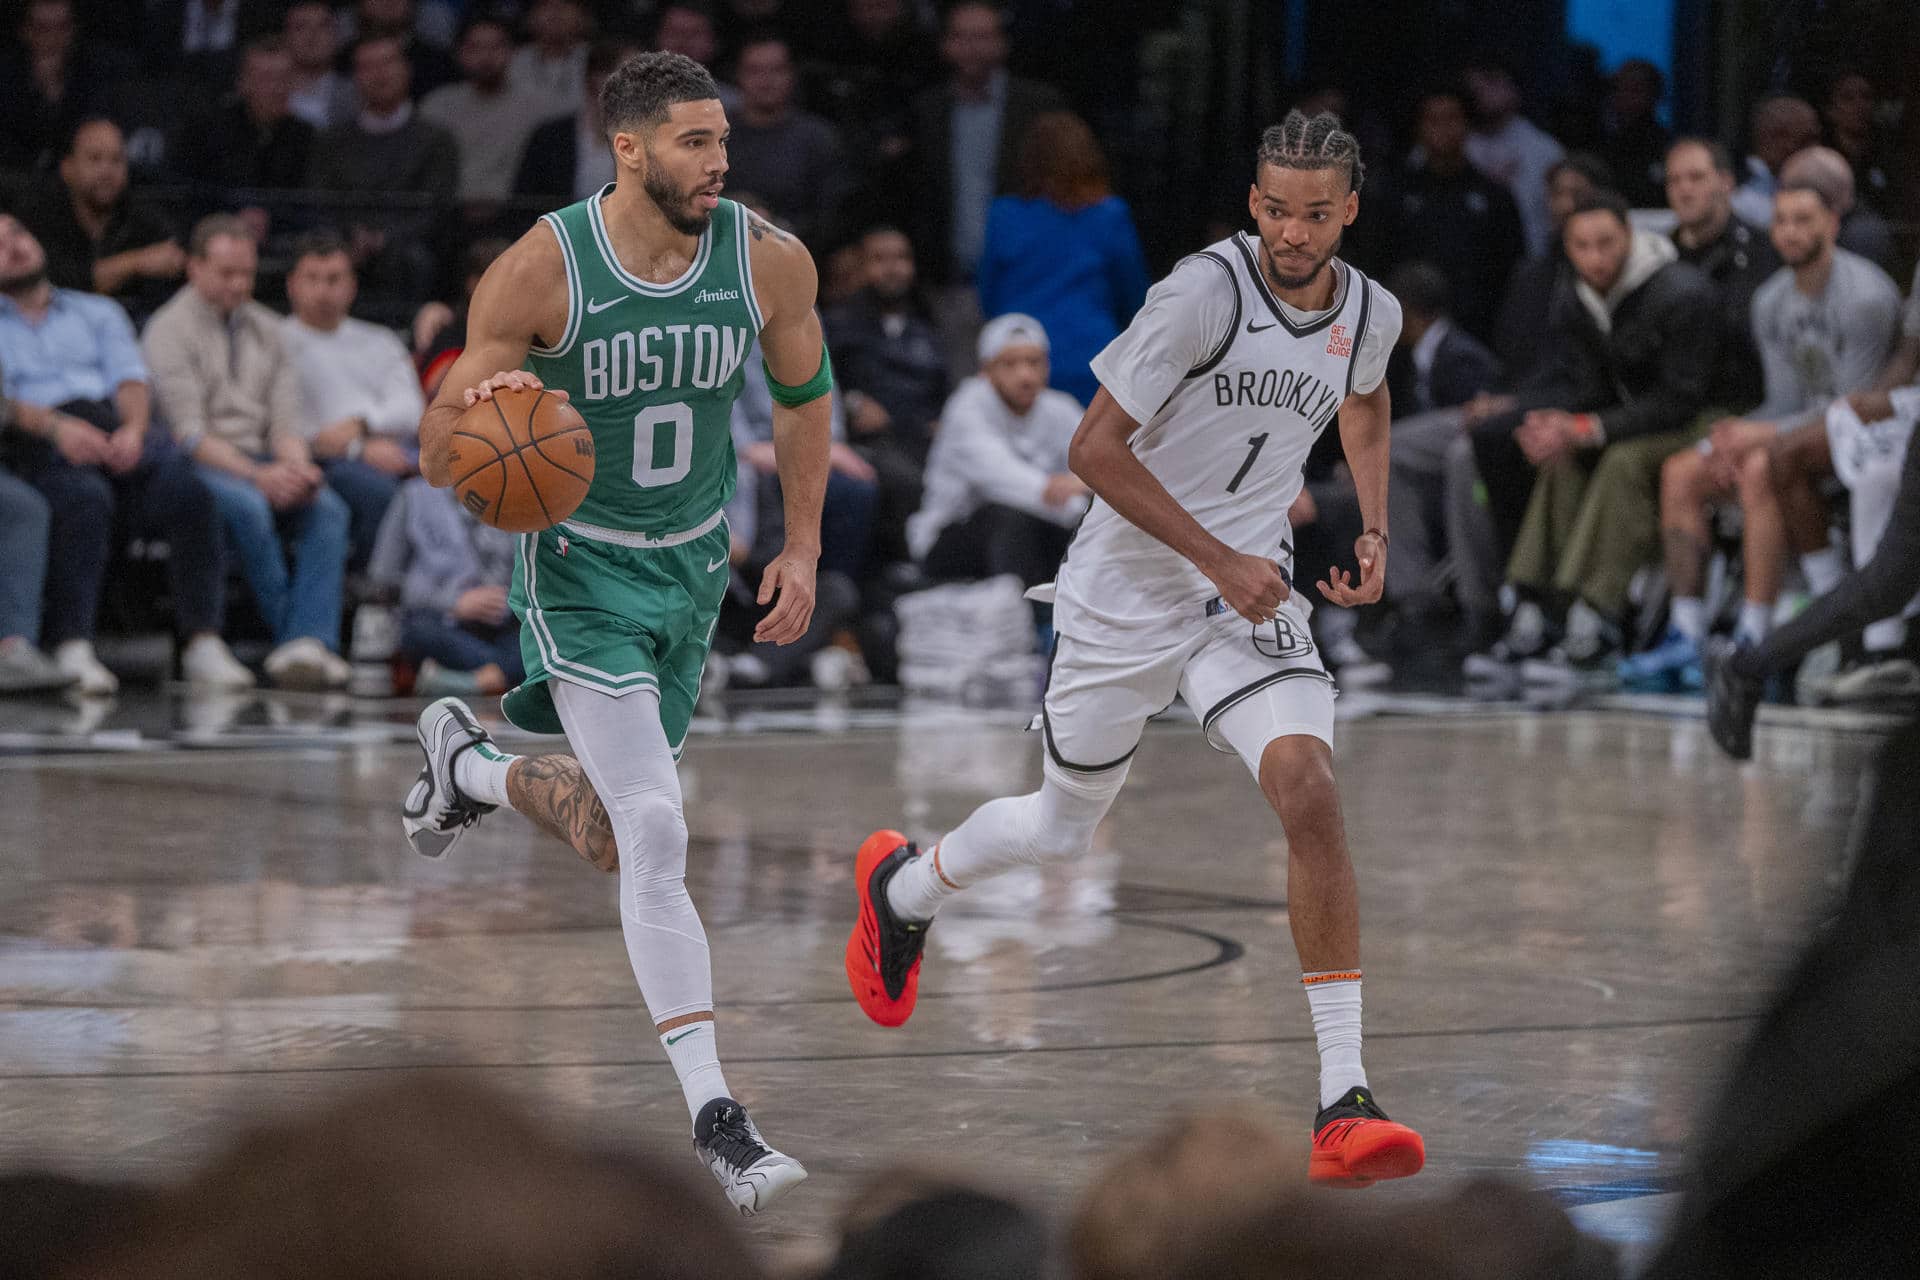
pixel 640 92
pixel 1316 142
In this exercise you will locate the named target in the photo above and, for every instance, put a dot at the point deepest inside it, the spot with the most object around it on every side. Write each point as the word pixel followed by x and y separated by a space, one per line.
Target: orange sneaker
pixel 1355 1145
pixel 883 951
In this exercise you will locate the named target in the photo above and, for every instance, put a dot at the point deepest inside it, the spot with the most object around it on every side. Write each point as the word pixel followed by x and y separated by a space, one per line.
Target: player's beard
pixel 22 283
pixel 675 205
pixel 1307 278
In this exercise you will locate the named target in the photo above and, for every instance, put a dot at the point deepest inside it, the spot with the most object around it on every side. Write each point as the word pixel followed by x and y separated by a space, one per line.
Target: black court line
pixel 1134 1046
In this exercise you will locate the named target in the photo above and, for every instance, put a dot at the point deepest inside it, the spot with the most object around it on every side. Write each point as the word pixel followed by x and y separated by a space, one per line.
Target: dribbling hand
pixel 515 379
pixel 1252 586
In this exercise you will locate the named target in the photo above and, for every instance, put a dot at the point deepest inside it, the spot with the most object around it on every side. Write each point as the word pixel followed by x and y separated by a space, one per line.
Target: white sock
pixel 696 1060
pixel 1824 569
pixel 1756 620
pixel 481 773
pixel 1690 617
pixel 1334 999
pixel 917 889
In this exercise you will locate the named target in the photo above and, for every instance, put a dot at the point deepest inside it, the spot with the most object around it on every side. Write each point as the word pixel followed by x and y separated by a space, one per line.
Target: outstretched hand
pixel 791 576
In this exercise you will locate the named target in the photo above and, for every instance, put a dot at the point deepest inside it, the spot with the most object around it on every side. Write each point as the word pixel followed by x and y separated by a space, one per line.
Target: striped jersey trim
pixel 1315 979
pixel 623 538
pixel 633 282
pixel 572 330
pixel 565 668
pixel 743 244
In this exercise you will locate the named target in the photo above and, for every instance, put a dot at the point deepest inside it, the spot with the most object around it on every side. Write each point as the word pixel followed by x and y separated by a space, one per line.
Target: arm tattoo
pixel 554 792
pixel 761 228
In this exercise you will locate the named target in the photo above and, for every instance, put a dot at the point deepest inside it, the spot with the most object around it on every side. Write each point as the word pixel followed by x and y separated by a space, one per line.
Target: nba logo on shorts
pixel 1280 639
pixel 561 542
pixel 1338 343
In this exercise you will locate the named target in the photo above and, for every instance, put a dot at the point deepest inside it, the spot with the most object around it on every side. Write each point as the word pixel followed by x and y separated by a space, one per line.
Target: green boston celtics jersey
pixel 654 369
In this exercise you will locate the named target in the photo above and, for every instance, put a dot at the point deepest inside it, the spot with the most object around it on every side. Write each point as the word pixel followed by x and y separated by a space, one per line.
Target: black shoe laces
pixel 733 1141
pixel 900 943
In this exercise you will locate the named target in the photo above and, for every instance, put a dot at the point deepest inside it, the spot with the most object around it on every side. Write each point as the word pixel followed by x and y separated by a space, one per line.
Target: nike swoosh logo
pixel 1251 326
pixel 716 564
pixel 594 308
pixel 682 1036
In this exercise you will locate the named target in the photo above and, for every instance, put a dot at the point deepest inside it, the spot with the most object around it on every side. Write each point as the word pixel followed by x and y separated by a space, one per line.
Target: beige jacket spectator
pixel 225 377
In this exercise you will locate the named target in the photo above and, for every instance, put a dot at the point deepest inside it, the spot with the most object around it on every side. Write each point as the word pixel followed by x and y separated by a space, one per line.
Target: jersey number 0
pixel 646 434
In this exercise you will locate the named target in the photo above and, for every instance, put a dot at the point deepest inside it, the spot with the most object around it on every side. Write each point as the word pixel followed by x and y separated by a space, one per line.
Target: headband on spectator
pixel 1011 330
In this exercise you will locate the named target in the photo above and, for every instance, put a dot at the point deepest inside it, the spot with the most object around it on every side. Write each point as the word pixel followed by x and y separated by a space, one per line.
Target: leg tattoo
pixel 554 792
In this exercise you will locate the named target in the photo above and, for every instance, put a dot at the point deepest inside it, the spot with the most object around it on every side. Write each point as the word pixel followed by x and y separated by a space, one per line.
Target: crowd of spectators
pixel 1615 386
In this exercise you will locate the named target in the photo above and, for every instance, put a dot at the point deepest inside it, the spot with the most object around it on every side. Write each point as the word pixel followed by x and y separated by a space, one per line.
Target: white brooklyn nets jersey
pixel 1231 387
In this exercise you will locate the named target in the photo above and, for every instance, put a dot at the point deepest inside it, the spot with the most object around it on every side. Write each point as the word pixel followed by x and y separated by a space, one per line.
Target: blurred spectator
pixel 788 157
pixel 1823 323
pixel 24 523
pixel 1436 367
pixel 1778 127
pixel 361 397
pixel 387 150
pixel 944 1233
pixel 320 95
pixel 440 329
pixel 1444 211
pixel 1862 231
pixel 569 159
pixel 1512 150
pixel 687 27
pixel 1064 250
pixel 1850 130
pixel 47 86
pixel 1633 141
pixel 98 237
pixel 1735 256
pixel 81 418
pixel 892 371
pixel 488 116
pixel 966 145
pixel 399 21
pixel 552 68
pixel 1437 364
pixel 757 518
pixel 877 58
pixel 433 1179
pixel 1520 328
pixel 451 573
pixel 252 139
pixel 231 396
pixel 1634 358
pixel 200 40
pixel 1000 497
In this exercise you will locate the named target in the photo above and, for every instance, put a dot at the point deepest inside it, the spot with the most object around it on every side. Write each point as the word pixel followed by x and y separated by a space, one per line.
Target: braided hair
pixel 1316 142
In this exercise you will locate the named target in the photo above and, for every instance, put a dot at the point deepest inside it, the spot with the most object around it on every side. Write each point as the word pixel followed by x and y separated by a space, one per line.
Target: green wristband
pixel 807 392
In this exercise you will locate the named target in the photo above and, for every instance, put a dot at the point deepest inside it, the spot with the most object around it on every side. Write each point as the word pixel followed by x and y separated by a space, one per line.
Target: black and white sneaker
pixel 435 814
pixel 1732 699
pixel 752 1173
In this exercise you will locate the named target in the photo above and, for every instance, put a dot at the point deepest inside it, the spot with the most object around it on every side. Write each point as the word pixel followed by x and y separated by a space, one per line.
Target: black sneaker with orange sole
pixel 1355 1145
pixel 883 951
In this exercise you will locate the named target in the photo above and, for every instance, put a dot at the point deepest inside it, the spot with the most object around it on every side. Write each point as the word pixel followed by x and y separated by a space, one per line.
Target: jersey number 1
pixel 646 429
pixel 1258 443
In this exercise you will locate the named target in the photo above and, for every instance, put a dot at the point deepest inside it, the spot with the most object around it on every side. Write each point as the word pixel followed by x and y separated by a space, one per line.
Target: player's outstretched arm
pixel 1365 438
pixel 522 296
pixel 786 283
pixel 1250 585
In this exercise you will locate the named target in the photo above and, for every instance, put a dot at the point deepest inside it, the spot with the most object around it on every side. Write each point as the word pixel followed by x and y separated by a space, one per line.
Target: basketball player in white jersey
pixel 1180 582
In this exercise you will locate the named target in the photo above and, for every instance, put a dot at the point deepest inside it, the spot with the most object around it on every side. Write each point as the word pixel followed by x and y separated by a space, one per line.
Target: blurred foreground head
pixel 912 1225
pixel 1224 1197
pixel 424 1179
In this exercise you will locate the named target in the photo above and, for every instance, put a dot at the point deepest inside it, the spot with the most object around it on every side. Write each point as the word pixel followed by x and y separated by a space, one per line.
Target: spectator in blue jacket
pixel 1064 250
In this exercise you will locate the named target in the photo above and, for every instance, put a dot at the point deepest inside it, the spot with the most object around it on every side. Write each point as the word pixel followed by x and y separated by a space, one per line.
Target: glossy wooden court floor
pixel 1569 921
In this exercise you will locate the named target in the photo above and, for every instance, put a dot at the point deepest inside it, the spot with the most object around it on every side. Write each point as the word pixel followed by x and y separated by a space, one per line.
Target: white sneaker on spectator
pixel 436 681
pixel 208 662
pixel 77 659
pixel 1526 637
pixel 24 669
pixel 1877 678
pixel 305 663
pixel 1353 666
pixel 835 670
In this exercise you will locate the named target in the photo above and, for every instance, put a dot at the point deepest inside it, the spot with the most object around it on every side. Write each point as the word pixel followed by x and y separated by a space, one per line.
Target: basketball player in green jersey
pixel 639 305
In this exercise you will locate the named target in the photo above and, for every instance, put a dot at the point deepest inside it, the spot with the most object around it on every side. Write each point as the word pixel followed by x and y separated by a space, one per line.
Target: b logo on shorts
pixel 1280 639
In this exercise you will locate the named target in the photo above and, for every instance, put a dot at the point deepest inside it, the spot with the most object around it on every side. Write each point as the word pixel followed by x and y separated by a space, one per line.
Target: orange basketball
pixel 521 461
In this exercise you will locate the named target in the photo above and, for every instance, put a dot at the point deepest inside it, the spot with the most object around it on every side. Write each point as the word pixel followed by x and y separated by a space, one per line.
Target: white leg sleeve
pixel 1053 824
pixel 623 748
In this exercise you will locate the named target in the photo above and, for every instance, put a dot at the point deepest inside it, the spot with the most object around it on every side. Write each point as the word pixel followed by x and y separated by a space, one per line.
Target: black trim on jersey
pixel 1226 345
pixel 1360 330
pixel 1046 731
pixel 1241 694
pixel 1273 303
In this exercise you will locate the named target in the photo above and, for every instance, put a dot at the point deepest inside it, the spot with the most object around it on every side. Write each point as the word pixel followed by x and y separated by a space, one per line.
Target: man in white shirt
pixel 361 402
pixel 489 115
pixel 999 495
pixel 1511 149
pixel 321 95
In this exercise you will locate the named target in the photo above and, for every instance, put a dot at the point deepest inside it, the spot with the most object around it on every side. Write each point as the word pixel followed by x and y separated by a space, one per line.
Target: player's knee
pixel 1296 772
pixel 652 834
pixel 1066 821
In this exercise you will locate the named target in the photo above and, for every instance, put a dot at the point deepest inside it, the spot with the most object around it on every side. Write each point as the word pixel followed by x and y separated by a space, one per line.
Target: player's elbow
pixel 1083 457
pixel 434 465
